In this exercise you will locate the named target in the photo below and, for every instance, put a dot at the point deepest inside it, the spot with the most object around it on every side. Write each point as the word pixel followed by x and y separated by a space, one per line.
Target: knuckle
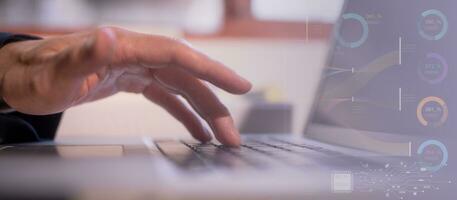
pixel 222 110
pixel 115 33
pixel 178 45
pixel 215 111
pixel 181 42
pixel 114 29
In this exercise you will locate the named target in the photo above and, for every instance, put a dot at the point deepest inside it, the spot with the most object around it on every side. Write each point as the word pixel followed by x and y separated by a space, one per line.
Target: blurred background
pixel 279 45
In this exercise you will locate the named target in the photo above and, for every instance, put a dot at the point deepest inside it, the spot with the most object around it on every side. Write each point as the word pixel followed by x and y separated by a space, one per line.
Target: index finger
pixel 158 51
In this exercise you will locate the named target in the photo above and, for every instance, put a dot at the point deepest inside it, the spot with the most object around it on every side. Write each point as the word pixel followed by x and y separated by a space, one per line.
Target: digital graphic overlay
pixel 434 69
pixel 365 30
pixel 432 111
pixel 433 155
pixel 433 25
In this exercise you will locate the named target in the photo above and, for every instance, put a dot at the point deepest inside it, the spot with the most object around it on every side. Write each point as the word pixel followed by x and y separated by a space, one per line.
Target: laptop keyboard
pixel 262 153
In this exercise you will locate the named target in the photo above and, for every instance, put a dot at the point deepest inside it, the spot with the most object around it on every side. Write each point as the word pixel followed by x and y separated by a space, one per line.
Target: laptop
pixel 381 127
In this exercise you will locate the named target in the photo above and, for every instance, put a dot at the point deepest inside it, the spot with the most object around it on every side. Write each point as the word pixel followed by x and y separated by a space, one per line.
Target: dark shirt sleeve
pixel 17 127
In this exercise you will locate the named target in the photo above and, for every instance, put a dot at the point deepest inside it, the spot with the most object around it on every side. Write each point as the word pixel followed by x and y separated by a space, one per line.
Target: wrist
pixel 8 39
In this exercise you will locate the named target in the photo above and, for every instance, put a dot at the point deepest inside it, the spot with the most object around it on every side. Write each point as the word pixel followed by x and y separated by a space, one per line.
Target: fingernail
pixel 234 134
pixel 236 138
pixel 246 85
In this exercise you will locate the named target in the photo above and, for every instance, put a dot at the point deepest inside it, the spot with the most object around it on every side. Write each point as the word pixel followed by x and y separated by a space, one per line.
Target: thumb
pixel 89 55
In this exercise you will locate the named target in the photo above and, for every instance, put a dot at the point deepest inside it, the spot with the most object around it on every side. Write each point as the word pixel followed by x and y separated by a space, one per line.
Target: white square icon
pixel 342 182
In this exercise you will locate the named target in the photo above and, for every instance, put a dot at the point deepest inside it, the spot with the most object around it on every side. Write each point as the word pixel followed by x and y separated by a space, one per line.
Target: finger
pixel 165 52
pixel 178 110
pixel 208 69
pixel 92 52
pixel 204 101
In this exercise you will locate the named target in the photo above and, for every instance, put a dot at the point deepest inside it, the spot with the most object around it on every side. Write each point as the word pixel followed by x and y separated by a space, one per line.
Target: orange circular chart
pixel 432 111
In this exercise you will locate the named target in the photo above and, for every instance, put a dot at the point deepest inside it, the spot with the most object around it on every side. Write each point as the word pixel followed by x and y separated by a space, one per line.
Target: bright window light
pixel 297 10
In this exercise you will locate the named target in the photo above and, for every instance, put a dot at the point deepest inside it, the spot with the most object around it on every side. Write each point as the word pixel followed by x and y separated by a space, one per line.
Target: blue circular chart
pixel 434 155
pixel 433 25
pixel 363 37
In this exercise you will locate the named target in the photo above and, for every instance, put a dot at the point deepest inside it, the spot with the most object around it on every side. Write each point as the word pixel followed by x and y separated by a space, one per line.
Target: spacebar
pixel 180 154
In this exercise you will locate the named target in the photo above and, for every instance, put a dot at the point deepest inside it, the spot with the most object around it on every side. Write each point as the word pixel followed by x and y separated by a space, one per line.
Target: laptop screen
pixel 391 70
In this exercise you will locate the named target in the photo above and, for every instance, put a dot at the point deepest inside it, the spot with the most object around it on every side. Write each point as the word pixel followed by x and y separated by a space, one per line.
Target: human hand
pixel 51 75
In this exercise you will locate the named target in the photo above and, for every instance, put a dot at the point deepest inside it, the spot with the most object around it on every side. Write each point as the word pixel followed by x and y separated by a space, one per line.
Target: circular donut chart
pixel 433 25
pixel 364 36
pixel 434 68
pixel 433 155
pixel 432 111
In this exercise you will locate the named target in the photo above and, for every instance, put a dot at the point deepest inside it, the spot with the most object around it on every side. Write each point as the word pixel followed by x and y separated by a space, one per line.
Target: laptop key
pixel 281 154
pixel 258 159
pixel 217 156
pixel 315 148
pixel 181 155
